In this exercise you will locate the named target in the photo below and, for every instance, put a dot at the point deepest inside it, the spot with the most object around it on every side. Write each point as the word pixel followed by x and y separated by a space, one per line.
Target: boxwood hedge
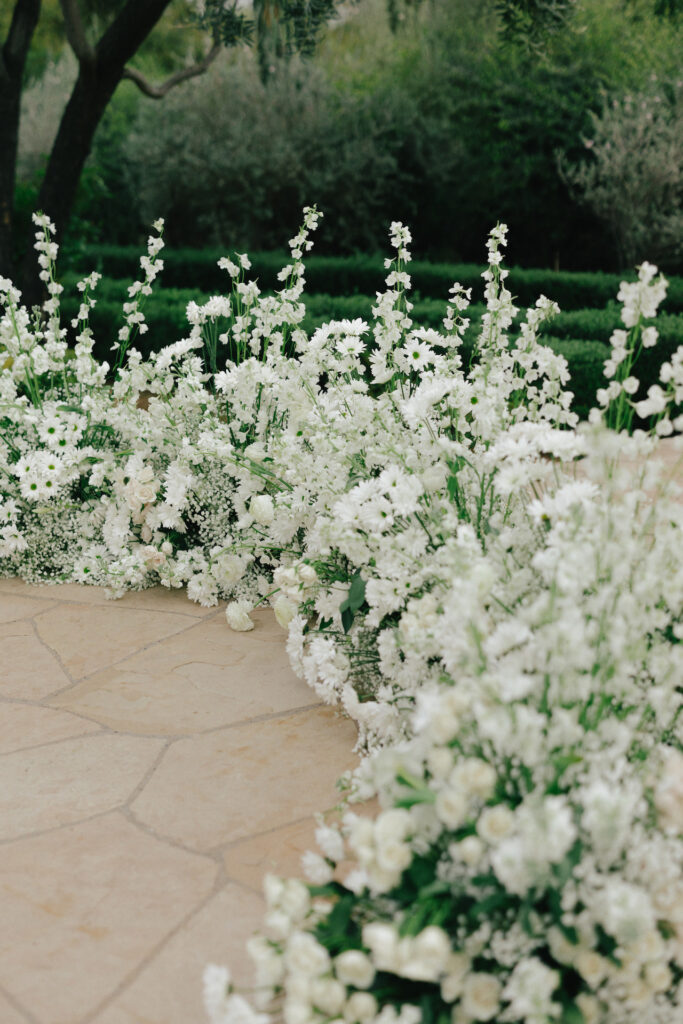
pixel 349 275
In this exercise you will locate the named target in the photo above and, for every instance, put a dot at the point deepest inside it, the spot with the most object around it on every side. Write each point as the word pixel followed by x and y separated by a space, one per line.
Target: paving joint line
pixel 18 1006
pixel 133 975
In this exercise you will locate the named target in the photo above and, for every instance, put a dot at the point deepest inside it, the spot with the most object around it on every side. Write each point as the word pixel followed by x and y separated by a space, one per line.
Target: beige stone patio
pixel 153 766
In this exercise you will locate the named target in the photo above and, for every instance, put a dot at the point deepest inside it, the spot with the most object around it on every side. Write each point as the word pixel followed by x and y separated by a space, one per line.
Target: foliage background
pixel 447 122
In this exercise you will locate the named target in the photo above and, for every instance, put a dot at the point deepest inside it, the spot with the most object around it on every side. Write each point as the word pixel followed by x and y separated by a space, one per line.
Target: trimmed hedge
pixel 349 275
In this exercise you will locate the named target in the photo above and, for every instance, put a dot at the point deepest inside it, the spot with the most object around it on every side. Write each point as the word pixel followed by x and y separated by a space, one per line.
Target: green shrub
pixel 598 324
pixel 350 275
pixel 632 177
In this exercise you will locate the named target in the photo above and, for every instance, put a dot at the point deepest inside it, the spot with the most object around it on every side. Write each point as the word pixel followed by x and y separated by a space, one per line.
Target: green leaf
pixel 572 1015
pixel 347 617
pixel 490 903
pixel 69 408
pixel 434 889
pixel 356 596
pixel 354 600
pixel 427 1010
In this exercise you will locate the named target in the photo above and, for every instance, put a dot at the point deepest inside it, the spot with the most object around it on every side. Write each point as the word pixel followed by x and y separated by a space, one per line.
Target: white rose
pixel 284 611
pixel 456 970
pixel 590 1008
pixel 561 948
pixel 638 992
pixel 451 807
pixel 307 574
pixel 316 868
pixel 658 976
pixel 297 1011
pixel 273 887
pixel 329 995
pixel 267 961
pixel 277 924
pixel 360 1008
pixel 330 842
pixel 650 947
pixel 237 614
pixel 495 823
pixel 440 762
pixel 238 1011
pixel 394 856
pixel 443 727
pixel 353 967
pixel 382 879
pixel 216 986
pixel 151 556
pixel 481 996
pixel 430 953
pixel 592 967
pixel 261 508
pixel 140 490
pixel 475 777
pixel 382 941
pixel 304 955
pixel 295 899
pixel 470 850
pixel 392 825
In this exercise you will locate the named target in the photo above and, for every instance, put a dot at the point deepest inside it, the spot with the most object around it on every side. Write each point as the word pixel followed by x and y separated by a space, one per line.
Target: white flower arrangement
pixel 481 582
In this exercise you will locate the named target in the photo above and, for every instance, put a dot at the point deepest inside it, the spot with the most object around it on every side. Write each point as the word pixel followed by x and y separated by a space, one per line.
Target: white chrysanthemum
pixel 237 615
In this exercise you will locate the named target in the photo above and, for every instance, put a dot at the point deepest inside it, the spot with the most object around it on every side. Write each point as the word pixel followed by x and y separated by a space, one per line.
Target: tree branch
pixel 157 92
pixel 75 32
pixel 13 53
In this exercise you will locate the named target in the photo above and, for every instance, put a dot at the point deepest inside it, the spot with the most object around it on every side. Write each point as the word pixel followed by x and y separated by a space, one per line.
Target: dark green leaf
pixel 356 596
pixel 572 1015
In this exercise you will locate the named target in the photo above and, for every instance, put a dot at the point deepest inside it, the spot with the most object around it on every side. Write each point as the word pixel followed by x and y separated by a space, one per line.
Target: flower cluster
pixel 487 588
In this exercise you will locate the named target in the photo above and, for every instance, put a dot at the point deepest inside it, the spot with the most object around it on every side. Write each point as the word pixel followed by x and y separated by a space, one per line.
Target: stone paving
pixel 153 766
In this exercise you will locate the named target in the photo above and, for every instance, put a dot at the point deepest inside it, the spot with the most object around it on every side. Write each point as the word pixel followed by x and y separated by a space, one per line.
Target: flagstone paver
pixel 153 766
pixel 61 783
pixel 112 633
pixel 222 778
pixel 215 934
pixel 179 686
pixel 25 725
pixel 9 1013
pixel 29 670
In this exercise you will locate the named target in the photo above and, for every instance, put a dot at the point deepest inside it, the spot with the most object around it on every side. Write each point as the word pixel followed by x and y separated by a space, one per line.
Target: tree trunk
pixel 12 63
pixel 100 73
